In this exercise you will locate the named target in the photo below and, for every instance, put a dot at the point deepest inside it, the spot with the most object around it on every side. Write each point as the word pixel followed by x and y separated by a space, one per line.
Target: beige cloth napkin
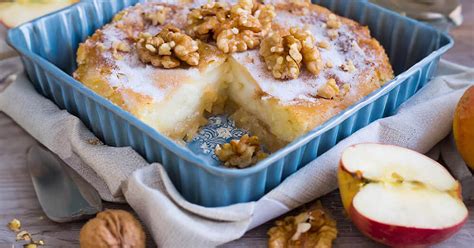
pixel 121 174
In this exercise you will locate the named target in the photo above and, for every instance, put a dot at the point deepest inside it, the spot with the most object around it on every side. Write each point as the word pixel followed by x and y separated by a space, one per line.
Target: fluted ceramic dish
pixel 48 47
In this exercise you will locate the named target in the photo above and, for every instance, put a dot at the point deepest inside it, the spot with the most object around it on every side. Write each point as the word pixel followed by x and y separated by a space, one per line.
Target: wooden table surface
pixel 18 199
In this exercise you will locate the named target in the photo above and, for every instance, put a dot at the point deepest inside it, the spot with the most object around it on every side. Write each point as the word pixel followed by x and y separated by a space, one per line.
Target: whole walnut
pixel 112 228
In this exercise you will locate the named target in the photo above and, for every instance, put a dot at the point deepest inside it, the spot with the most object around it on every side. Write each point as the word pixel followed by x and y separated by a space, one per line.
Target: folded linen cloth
pixel 121 174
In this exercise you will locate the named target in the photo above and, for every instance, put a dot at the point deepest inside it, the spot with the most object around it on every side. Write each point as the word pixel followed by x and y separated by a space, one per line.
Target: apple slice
pixel 399 197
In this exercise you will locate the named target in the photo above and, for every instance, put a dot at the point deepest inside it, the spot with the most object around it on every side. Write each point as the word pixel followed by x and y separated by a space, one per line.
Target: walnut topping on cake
pixel 324 44
pixel 314 228
pixel 333 22
pixel 311 57
pixel 331 90
pixel 168 48
pixel 234 40
pixel 285 54
pixel 235 28
pixel 119 16
pixel 241 153
pixel 157 15
pixel 117 46
pixel 202 22
pixel 333 34
pixel 348 66
pixel 282 55
pixel 329 64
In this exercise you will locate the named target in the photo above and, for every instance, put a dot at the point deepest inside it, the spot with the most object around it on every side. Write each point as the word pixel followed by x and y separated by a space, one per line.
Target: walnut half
pixel 203 22
pixel 168 48
pixel 311 57
pixel 314 228
pixel 241 153
pixel 235 28
pixel 284 55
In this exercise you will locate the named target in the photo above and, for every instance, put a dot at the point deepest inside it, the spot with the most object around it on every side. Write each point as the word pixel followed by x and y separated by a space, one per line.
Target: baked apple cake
pixel 278 68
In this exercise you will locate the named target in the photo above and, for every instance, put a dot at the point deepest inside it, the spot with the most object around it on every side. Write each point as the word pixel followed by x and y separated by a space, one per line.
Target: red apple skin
pixel 395 236
pixel 399 236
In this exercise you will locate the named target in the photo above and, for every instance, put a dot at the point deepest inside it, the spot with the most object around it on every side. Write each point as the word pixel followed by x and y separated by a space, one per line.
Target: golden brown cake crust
pixel 109 65
pixel 377 74
pixel 304 105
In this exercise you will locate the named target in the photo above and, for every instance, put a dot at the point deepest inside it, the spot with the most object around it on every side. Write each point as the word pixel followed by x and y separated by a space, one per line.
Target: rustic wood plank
pixel 463 50
pixel 18 200
pixel 348 235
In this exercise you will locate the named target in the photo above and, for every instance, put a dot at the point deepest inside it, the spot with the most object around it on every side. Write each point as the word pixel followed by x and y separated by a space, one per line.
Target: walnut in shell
pixel 241 153
pixel 168 48
pixel 314 228
pixel 112 228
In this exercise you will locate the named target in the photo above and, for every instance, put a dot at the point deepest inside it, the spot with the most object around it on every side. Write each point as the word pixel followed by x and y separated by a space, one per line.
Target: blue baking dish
pixel 48 46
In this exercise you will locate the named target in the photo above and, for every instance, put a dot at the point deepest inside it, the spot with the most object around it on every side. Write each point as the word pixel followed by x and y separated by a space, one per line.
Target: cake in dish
pixel 278 68
pixel 171 100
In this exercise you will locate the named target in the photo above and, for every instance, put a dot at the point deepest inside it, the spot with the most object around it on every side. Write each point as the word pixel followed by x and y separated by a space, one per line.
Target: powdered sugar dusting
pixel 112 34
pixel 305 87
pixel 134 75
pixel 128 72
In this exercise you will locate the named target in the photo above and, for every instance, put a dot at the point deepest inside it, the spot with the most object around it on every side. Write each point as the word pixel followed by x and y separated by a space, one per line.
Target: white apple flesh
pixel 399 197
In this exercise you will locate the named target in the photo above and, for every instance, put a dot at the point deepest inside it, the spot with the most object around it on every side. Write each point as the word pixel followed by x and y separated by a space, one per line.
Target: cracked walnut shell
pixel 168 48
pixel 112 228
pixel 284 55
pixel 241 153
pixel 314 228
